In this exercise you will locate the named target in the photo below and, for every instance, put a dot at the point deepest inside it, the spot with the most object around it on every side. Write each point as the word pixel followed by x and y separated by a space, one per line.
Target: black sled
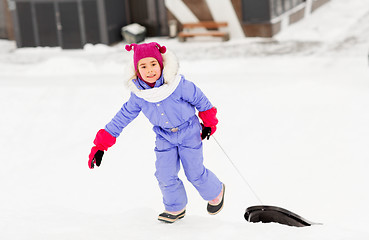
pixel 268 214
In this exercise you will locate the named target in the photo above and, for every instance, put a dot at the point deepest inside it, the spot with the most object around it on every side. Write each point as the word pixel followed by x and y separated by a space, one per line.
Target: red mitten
pixel 103 141
pixel 209 120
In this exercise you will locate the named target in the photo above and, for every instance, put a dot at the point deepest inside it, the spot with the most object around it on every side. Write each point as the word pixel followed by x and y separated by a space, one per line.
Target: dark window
pixel 46 24
pixel 115 19
pixel 264 10
pixel 26 29
pixel 91 21
pixel 256 11
pixel 69 19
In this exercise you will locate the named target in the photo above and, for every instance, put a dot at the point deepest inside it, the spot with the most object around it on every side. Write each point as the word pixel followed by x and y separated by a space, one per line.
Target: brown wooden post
pixel 8 21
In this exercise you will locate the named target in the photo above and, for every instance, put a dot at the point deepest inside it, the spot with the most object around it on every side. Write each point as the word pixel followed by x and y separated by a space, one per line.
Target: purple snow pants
pixel 184 146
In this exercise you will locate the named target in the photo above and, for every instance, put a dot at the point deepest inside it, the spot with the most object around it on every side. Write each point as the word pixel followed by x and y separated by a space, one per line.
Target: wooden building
pixel 73 23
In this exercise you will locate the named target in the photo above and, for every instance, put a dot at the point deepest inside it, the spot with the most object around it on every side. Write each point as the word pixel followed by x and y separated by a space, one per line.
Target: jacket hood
pixel 170 75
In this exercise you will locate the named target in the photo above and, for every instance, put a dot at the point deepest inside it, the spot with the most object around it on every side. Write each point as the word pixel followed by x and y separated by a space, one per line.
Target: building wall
pixel 151 14
pixel 200 9
pixel 68 23
pixel 72 23
pixel 3 31
pixel 6 26
pixel 316 4
pixel 241 15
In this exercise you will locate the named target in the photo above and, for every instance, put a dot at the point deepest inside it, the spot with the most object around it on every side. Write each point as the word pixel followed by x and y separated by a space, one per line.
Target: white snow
pixel 293 111
pixel 134 28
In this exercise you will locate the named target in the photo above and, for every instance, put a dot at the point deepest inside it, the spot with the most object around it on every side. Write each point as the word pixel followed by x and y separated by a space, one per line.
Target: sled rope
pixel 238 171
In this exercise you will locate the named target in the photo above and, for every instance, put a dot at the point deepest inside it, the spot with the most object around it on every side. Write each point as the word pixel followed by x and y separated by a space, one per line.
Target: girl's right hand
pixel 103 141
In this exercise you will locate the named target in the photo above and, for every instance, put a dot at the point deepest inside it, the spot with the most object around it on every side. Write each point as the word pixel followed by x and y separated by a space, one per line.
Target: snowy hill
pixel 293 114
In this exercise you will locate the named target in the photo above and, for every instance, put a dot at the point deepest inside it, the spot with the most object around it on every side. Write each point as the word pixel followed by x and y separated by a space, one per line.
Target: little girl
pixel 168 100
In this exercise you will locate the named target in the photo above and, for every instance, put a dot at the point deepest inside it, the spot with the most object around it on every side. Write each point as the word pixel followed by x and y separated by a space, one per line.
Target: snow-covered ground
pixel 294 118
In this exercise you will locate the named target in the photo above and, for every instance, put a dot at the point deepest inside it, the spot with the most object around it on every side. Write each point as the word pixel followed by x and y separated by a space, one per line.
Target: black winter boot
pixel 170 218
pixel 214 209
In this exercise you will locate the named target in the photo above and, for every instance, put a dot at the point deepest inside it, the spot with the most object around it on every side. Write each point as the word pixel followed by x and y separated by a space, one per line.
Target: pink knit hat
pixel 145 50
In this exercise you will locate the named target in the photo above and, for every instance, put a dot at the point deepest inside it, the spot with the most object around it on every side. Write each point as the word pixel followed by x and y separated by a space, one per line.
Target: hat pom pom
pixel 162 49
pixel 130 47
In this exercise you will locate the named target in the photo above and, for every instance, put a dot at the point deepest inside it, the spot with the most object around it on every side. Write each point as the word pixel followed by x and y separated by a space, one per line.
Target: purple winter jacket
pixel 169 105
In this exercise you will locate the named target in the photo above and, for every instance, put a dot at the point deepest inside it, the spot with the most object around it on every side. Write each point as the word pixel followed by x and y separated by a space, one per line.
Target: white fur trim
pixel 171 80
pixel 159 94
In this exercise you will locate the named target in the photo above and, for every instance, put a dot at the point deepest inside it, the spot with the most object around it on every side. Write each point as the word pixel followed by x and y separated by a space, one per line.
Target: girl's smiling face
pixel 149 69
